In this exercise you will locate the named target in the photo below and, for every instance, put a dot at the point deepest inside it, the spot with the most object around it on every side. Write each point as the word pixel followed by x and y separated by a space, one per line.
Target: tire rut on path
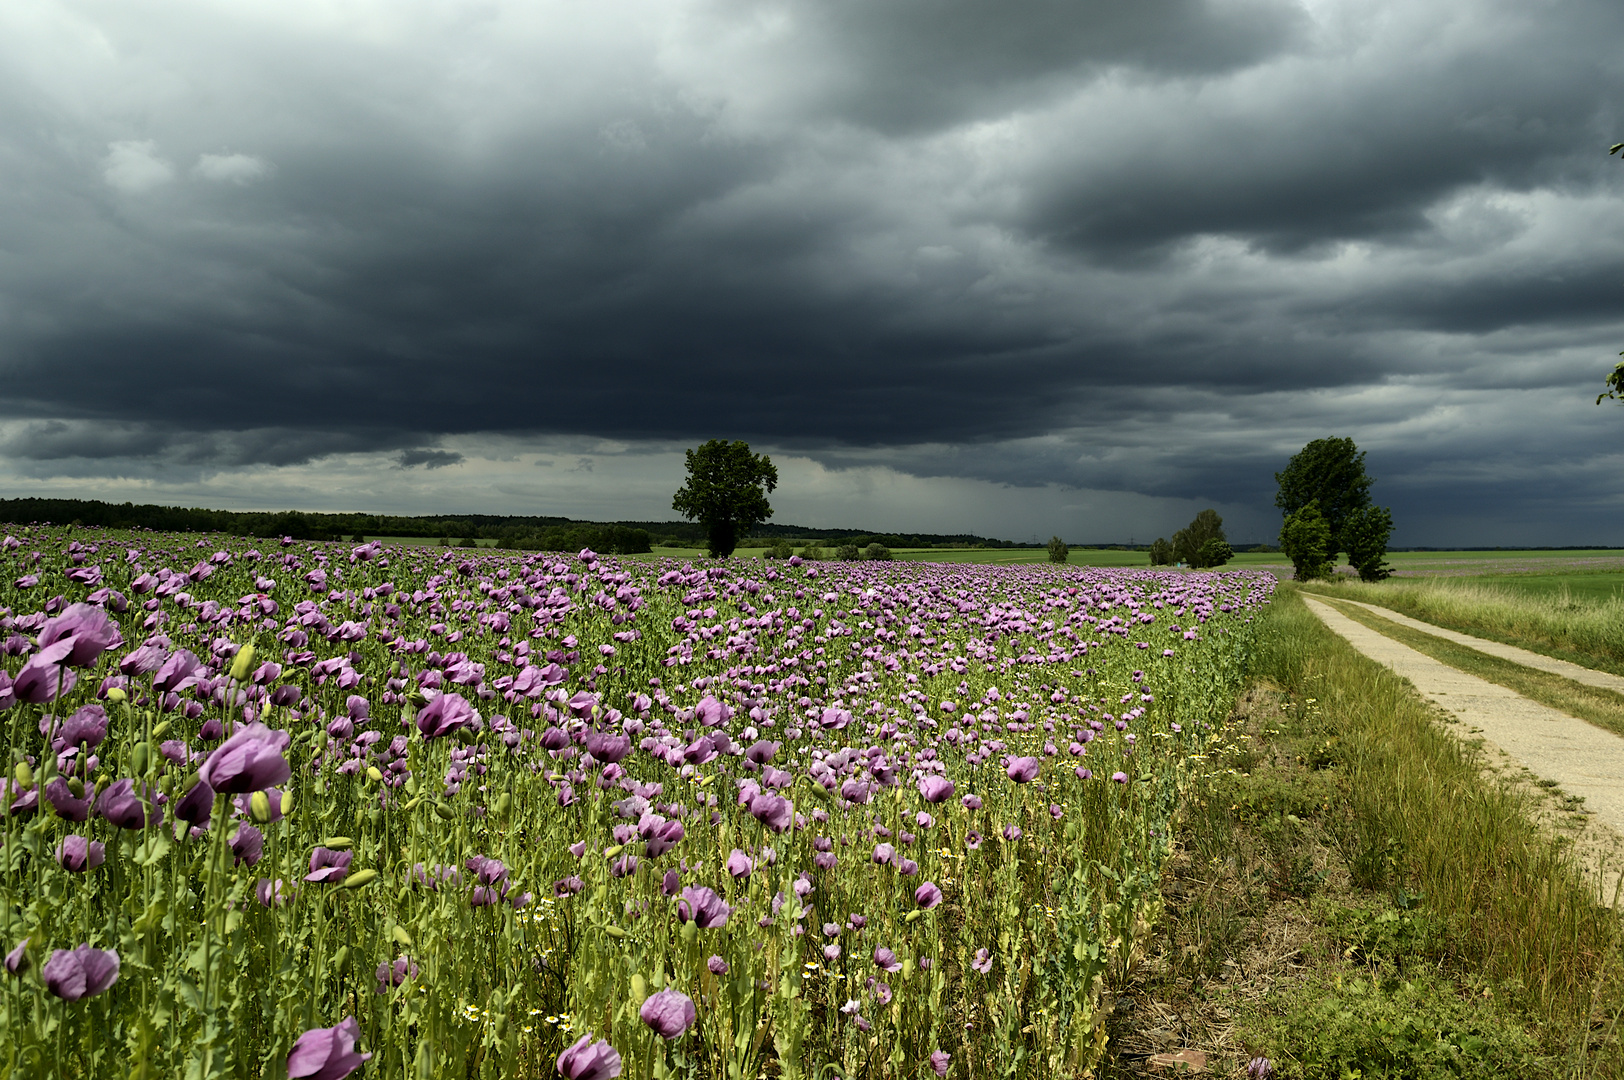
pixel 1582 758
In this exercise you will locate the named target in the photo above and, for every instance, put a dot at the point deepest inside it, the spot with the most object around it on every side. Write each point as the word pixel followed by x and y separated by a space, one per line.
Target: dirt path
pixel 1588 676
pixel 1585 760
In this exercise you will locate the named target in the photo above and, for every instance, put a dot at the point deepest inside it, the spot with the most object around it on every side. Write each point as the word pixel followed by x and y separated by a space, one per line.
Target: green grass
pixel 1561 588
pixel 1424 821
pixel 1597 705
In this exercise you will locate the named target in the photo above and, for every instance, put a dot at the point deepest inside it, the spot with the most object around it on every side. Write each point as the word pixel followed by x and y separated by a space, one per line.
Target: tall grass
pixel 1428 823
pixel 1590 632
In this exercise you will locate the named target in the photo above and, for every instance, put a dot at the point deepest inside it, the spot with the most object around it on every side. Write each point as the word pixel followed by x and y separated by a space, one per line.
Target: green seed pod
pixel 244 662
pixel 912 916
pixel 504 804
pixel 140 758
pixel 399 934
pixel 360 878
pixel 611 852
pixel 414 804
pixel 444 812
pixel 614 932
pixel 24 775
pixel 160 730
pixel 76 786
pixel 690 933
pixel 373 773
pixel 338 843
pixel 259 807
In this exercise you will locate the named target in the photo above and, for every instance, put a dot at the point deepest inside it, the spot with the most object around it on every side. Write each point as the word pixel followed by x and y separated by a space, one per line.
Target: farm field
pixel 320 808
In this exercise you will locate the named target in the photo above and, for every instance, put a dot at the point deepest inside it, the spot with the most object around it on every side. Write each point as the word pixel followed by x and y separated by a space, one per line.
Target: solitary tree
pixel 1161 553
pixel 1306 540
pixel 1330 472
pixel 1058 551
pixel 726 492
pixel 1189 541
pixel 1214 552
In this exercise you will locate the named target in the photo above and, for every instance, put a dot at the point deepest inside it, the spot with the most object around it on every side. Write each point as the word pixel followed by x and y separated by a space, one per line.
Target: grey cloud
pixel 429 459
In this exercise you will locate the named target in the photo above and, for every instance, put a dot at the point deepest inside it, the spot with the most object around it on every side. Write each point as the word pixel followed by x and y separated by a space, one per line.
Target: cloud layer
pixel 1118 258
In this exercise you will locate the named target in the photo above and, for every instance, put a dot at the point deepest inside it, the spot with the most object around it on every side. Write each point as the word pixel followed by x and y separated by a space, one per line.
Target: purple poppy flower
pixel 76 854
pixel 884 853
pixel 568 886
pixel 17 959
pixel 44 676
pixel 123 807
pixel 739 864
pixel 1120 777
pixel 939 1061
pixel 972 840
pixel 393 974
pixel 983 961
pixel 84 972
pixel 773 811
pixel 1022 770
pixel 928 895
pixel 326 1053
pixel 717 965
pixel 762 751
pixel 87 628
pixel 589 1060
pixel 882 994
pixel 173 675
pixel 1083 774
pixel 609 749
pixel 196 805
pixel 329 865
pixel 272 893
pixel 1012 833
pixel 663 838
pixel 1259 1068
pixel 971 802
pixel 907 868
pixel 886 960
pixel 87 727
pixel 61 798
pixel 142 661
pixel 702 907
pixel 247 844
pixel 251 760
pixel 669 1012
pixel 446 715
pixel 935 789
pixel 670 883
pixel 856 922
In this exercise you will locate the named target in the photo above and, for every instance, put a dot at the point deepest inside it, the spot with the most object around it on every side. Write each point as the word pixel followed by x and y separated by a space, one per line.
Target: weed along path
pixel 1582 758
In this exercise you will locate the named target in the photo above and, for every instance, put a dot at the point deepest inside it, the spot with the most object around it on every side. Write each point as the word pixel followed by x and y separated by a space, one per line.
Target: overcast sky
pixel 1017 268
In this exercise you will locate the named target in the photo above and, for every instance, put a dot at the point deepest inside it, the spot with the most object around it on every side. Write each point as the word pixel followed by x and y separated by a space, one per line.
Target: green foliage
pixel 1058 551
pixel 1420 1028
pixel 877 553
pixel 783 549
pixel 1365 538
pixel 1215 552
pixel 1189 542
pixel 726 492
pixel 1306 540
pixel 1161 553
pixel 848 553
pixel 814 552
pixel 1330 472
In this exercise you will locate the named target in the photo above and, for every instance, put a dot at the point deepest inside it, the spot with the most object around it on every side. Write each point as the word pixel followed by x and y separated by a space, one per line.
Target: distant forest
pixel 530 533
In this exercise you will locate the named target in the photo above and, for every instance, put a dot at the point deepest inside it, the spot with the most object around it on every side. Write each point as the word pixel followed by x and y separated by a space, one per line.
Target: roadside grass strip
pixel 1423 824
pixel 1596 705
pixel 1589 633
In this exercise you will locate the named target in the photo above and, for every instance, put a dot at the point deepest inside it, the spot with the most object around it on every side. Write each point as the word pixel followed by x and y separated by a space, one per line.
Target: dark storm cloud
pixel 1151 247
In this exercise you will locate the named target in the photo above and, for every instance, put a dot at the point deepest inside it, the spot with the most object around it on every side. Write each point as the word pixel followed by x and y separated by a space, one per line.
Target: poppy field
pixel 321 810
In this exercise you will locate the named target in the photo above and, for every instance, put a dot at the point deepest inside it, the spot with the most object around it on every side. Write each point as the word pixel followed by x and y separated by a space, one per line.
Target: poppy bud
pixel 359 878
pixel 504 804
pixel 259 807
pixel 639 989
pixel 443 812
pixel 399 934
pixel 338 843
pixel 243 663
pixel 373 773
pixel 287 803
pixel 117 694
pixel 24 775
pixel 341 961
pixel 614 931
pixel 414 804
pixel 160 730
pixel 77 787
pixel 140 757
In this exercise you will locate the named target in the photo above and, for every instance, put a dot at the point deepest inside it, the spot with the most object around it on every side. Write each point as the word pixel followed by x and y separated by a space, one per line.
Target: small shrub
pixel 1058 551
pixel 781 550
pixel 814 552
pixel 877 553
pixel 847 553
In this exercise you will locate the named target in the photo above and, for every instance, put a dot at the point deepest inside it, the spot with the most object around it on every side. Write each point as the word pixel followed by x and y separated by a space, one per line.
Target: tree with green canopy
pixel 1331 473
pixel 1306 540
pixel 1161 553
pixel 1058 551
pixel 1192 545
pixel 726 492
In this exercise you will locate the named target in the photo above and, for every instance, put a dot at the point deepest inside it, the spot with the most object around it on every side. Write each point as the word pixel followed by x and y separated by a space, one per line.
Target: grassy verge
pixel 1352 897
pixel 1598 705
pixel 1586 632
